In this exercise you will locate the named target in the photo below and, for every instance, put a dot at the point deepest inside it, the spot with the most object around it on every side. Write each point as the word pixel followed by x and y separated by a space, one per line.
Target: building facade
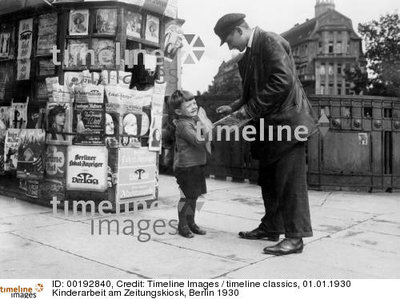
pixel 324 47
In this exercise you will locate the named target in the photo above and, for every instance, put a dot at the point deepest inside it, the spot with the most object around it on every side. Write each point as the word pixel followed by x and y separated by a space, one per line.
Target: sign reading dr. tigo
pixel 87 168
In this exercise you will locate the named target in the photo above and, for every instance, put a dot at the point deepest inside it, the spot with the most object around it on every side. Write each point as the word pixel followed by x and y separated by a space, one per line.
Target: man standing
pixel 272 92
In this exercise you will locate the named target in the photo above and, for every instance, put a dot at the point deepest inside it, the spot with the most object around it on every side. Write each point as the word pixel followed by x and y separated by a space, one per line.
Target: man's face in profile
pixel 236 40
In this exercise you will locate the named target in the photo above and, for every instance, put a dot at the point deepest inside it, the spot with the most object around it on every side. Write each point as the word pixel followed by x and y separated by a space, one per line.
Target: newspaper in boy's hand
pixel 232 120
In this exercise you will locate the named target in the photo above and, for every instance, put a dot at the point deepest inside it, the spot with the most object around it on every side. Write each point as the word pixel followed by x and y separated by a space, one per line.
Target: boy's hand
pixel 224 109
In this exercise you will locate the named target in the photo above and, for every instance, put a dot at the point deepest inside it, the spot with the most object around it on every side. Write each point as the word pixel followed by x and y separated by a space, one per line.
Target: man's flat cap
pixel 226 24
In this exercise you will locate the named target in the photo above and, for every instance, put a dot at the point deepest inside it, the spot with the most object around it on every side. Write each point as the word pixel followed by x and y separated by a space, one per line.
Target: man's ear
pixel 178 111
pixel 239 30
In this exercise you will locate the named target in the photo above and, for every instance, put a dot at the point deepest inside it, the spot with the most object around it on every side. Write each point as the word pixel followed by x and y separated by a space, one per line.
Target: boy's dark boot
pixel 183 228
pixel 191 211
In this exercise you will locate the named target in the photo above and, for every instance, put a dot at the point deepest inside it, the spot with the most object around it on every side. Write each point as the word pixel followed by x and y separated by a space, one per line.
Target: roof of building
pixel 301 32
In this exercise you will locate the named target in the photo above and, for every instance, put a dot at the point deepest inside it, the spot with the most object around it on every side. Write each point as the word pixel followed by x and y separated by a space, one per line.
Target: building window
pixel 339 69
pixel 330 88
pixel 348 48
pixel 347 88
pixel 346 111
pixel 331 69
pixel 367 112
pixel 320 49
pixel 339 47
pixel 327 111
pixel 387 112
pixel 330 47
pixel 322 69
pixel 339 89
pixel 322 89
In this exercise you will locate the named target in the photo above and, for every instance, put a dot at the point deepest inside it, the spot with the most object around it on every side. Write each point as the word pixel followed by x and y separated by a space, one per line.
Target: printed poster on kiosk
pixel 87 168
pixel 136 174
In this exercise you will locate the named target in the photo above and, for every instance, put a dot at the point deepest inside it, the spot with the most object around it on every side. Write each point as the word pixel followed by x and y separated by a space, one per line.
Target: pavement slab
pixel 23 258
pixel 365 239
pixel 356 235
pixel 146 259
pixel 290 267
pixel 22 222
pixel 329 252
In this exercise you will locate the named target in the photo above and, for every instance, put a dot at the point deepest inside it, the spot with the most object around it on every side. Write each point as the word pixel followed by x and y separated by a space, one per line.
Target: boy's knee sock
pixel 183 207
pixel 191 212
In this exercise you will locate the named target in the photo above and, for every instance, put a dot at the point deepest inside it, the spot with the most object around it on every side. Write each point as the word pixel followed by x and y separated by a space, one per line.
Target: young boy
pixel 190 157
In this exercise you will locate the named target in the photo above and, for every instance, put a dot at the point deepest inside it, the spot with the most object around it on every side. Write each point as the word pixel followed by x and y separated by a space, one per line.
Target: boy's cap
pixel 226 24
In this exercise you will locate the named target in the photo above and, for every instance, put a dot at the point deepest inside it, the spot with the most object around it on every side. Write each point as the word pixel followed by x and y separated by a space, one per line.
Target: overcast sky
pixel 270 15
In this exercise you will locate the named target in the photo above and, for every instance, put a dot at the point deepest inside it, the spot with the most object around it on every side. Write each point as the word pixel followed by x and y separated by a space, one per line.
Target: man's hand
pixel 224 109
pixel 241 114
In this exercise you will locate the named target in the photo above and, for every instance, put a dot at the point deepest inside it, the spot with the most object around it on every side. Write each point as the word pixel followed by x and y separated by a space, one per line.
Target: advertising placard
pixel 87 168
pixel 136 174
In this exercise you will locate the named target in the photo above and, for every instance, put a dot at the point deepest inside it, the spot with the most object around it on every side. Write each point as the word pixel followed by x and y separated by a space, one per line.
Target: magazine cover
pixel 7 74
pixel 134 124
pixel 25 39
pixel 59 125
pixel 18 115
pixel 4 117
pixel 56 159
pixel 76 51
pixel 88 77
pixel 5 41
pixel 23 69
pixel 31 151
pixel 173 39
pixel 45 43
pixel 133 24
pixel 119 78
pixel 3 134
pixel 78 22
pixel 41 90
pixel 49 86
pixel 89 93
pixel 155 133
pixel 61 93
pixel 47 24
pixel 152 29
pixel 46 67
pixel 88 123
pixel 113 115
pixel 104 50
pixel 106 21
pixel 47 33
pixel 11 149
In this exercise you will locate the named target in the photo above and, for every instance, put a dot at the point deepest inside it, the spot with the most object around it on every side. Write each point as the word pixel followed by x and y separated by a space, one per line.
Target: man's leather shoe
pixel 257 234
pixel 286 246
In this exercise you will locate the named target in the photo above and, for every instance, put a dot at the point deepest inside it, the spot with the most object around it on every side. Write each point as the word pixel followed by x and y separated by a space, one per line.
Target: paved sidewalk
pixel 356 235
